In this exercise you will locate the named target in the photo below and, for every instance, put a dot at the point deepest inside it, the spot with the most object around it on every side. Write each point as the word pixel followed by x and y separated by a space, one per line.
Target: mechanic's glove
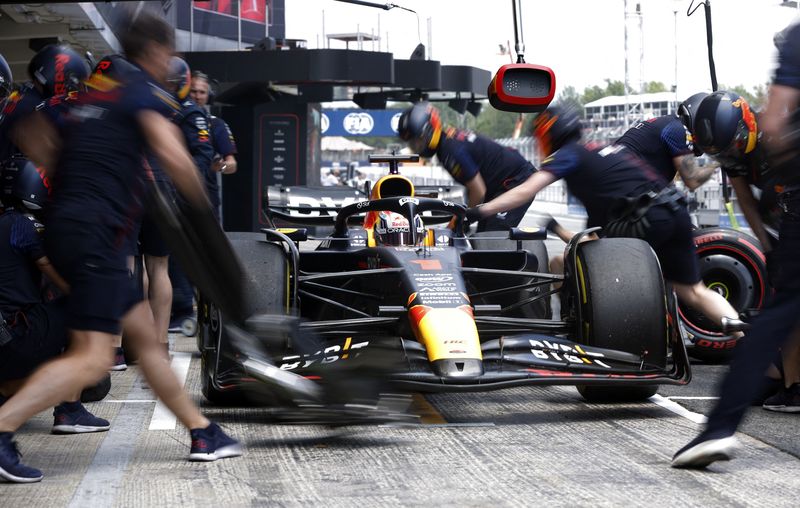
pixel 473 214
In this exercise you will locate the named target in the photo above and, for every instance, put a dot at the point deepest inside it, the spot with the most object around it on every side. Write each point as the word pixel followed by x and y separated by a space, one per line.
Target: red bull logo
pixel 60 78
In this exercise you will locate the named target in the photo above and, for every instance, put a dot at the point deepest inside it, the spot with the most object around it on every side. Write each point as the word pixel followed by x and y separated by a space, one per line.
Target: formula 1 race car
pixel 451 313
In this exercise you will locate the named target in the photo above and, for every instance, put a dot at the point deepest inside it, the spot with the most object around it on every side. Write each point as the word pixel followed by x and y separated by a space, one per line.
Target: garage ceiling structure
pixel 25 28
pixel 368 78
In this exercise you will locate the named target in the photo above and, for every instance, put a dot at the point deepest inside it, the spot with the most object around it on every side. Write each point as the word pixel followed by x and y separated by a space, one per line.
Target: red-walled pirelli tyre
pixel 732 264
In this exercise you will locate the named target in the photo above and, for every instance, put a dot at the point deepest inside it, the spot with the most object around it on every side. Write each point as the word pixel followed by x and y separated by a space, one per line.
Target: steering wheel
pixel 406 206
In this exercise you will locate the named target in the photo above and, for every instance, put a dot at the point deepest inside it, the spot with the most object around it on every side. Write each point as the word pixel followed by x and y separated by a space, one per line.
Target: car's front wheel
pixel 623 307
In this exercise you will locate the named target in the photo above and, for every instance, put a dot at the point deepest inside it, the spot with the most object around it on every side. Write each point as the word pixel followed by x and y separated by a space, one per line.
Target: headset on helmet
pixel 554 127
pixel 24 183
pixel 392 229
pixel 180 77
pixel 6 78
pixel 58 70
pixel 725 126
pixel 115 67
pixel 422 123
pixel 686 112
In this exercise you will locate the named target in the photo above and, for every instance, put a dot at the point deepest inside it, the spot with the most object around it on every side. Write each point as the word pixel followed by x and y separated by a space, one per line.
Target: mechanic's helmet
pixel 686 112
pixel 421 126
pixel 115 67
pixel 725 126
pixel 58 69
pixel 6 78
pixel 554 127
pixel 180 78
pixel 25 184
pixel 392 229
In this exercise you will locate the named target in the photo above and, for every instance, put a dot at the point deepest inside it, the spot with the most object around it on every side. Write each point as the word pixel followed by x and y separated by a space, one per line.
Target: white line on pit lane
pixel 692 398
pixel 163 419
pixel 678 409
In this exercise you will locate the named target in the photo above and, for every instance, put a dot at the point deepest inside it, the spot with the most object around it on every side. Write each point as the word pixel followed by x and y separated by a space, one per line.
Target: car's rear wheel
pixel 266 272
pixel 623 307
pixel 487 240
pixel 731 263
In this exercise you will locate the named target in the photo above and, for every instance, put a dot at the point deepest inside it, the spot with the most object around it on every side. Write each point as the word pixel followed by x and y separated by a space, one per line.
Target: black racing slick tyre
pixel 623 307
pixel 266 292
pixel 488 240
pixel 732 264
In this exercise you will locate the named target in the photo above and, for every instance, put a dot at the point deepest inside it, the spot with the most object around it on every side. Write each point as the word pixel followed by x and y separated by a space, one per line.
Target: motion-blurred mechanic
pixel 32 330
pixel 666 144
pixel 103 134
pixel 484 167
pixel 625 197
pixel 726 127
pixel 194 122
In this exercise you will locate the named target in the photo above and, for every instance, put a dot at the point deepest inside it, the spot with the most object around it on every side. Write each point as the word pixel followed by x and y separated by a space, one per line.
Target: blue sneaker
pixel 212 443
pixel 10 467
pixel 73 418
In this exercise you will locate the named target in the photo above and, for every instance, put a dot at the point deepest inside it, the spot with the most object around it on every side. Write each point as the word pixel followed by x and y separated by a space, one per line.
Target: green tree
pixel 570 97
pixel 654 87
pixel 756 96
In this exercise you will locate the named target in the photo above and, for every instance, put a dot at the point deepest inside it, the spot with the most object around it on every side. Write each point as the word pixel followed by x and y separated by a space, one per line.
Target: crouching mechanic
pixel 95 159
pixel 626 198
pixel 35 330
pixel 484 167
pixel 667 145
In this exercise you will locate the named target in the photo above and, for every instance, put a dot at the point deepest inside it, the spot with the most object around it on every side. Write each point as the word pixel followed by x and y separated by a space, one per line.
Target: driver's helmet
pixel 421 126
pixel 554 127
pixel 725 126
pixel 6 79
pixel 58 69
pixel 180 78
pixel 392 229
pixel 686 112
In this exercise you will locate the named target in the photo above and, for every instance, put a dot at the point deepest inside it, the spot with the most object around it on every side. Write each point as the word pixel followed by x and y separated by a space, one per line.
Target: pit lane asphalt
pixel 515 447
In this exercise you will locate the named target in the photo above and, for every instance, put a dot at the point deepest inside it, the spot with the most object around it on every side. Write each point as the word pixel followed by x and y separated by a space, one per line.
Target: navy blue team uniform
pixel 38 329
pixel 95 201
pixel 224 145
pixel 658 141
pixel 602 178
pixel 194 124
pixel 465 154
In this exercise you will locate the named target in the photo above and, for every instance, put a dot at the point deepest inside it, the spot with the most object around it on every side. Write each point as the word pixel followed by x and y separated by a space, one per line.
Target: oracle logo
pixel 358 123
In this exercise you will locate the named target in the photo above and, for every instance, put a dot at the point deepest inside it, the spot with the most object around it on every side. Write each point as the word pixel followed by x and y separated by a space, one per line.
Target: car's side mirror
pixel 522 88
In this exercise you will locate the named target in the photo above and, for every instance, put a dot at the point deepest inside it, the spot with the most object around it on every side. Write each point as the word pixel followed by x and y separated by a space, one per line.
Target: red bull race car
pixel 399 277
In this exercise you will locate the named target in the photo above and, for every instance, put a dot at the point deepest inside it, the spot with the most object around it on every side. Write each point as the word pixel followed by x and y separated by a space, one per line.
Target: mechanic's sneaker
pixel 119 360
pixel 73 418
pixel 212 443
pixel 176 322
pixel 785 401
pixel 705 449
pixel 10 467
